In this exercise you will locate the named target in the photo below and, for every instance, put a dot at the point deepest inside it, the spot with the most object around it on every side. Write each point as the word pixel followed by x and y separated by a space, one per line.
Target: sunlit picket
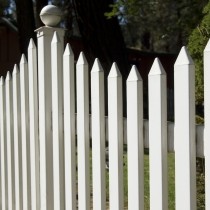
pixel 82 86
pixel 184 134
pixel 24 102
pixel 207 122
pixel 69 128
pixel 54 132
pixel 115 123
pixel 3 146
pixel 158 137
pixel 57 122
pixel 98 136
pixel 17 138
pixel 33 115
pixel 10 143
pixel 135 140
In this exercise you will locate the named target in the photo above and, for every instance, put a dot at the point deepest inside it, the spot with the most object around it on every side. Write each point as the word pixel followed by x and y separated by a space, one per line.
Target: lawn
pixel 171 183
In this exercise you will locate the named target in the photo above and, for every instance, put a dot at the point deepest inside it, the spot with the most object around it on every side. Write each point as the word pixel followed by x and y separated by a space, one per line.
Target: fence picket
pixel 69 128
pixel 185 153
pixel 115 138
pixel 10 143
pixel 135 142
pixel 25 132
pixel 207 123
pixel 33 113
pixel 3 146
pixel 57 122
pixel 38 132
pixel 83 132
pixel 17 138
pixel 158 137
pixel 44 38
pixel 98 136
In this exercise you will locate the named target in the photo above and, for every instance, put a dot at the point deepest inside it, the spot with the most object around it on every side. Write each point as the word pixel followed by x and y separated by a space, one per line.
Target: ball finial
pixel 51 15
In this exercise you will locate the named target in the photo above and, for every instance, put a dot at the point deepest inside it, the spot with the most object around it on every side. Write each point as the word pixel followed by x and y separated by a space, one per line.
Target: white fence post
pixel 98 136
pixel 57 123
pixel 44 35
pixel 207 123
pixel 3 146
pixel 135 141
pixel 33 113
pixel 185 152
pixel 10 143
pixel 17 139
pixel 25 132
pixel 69 128
pixel 115 127
pixel 158 137
pixel 83 132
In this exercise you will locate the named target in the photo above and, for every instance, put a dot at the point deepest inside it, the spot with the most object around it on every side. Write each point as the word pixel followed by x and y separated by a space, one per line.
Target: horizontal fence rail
pixel 52 110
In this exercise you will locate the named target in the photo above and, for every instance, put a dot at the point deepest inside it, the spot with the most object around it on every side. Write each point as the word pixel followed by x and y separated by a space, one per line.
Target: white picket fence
pixel 43 168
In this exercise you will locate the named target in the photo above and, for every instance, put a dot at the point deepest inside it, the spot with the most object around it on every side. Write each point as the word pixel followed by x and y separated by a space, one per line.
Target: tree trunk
pixel 26 23
pixel 39 5
pixel 102 37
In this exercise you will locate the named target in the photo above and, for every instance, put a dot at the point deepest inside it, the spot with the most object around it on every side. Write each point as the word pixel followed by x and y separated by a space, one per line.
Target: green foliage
pixel 129 8
pixel 197 42
pixel 199 120
pixel 162 25
pixel 166 25
pixel 4 5
pixel 200 191
pixel 200 180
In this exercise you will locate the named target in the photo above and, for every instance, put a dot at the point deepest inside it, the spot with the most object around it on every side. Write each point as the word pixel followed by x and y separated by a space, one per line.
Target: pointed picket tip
pixel 157 68
pixel 2 80
pixel 55 38
pixel 114 72
pixel 134 74
pixel 15 70
pixel 82 59
pixel 8 77
pixel 97 66
pixel 184 58
pixel 207 48
pixel 68 51
pixel 23 59
pixel 31 44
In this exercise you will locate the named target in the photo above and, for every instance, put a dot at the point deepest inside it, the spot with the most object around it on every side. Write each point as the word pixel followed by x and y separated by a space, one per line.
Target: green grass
pixel 171 183
pixel 146 182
